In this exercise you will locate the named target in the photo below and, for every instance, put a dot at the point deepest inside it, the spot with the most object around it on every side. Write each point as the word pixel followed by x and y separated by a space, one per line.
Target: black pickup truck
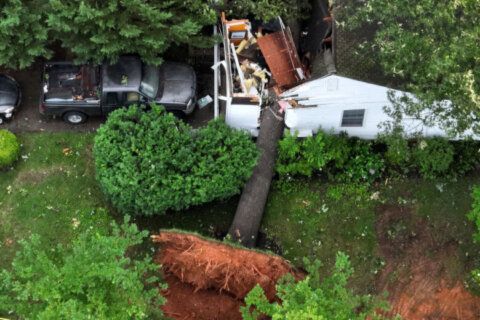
pixel 76 92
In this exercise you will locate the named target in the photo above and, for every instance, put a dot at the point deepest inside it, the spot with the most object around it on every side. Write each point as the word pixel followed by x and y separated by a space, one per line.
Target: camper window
pixel 353 118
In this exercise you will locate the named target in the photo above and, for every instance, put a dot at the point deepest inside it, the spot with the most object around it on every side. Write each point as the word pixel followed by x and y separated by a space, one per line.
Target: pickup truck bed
pixel 68 82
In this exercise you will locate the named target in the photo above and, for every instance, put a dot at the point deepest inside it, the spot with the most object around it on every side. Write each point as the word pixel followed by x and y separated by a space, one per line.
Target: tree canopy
pixel 98 30
pixel 88 279
pixel 24 34
pixel 95 30
pixel 149 162
pixel 433 46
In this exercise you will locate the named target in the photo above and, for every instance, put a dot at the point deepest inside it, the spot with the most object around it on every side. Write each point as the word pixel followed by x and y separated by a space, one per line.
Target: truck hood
pixel 8 91
pixel 177 83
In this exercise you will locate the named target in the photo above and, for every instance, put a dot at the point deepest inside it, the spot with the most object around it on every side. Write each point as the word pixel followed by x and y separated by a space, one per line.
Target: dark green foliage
pixel 149 162
pixel 354 160
pixel 433 157
pixel 431 45
pixel 224 160
pixel 91 279
pixel 9 148
pixel 98 30
pixel 23 32
pixel 314 298
pixel 338 149
pixel 474 215
pixel 266 10
pixel 95 30
pixel 344 159
pixel 466 156
pixel 362 164
pixel 301 156
pixel 398 155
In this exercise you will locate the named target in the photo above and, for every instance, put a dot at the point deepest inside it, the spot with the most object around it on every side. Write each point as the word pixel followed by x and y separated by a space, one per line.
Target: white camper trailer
pixel 335 103
pixel 332 103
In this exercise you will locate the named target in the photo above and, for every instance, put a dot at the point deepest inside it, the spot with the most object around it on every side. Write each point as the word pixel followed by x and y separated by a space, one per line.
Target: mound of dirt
pixel 184 302
pixel 419 287
pixel 209 280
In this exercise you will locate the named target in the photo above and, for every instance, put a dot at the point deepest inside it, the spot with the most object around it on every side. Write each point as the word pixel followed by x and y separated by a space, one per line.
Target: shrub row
pixel 149 162
pixel 353 160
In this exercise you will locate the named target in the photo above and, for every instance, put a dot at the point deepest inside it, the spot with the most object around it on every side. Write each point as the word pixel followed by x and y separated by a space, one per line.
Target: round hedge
pixel 9 148
pixel 150 162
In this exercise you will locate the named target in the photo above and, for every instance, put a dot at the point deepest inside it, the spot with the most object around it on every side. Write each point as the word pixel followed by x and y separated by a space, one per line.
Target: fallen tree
pixel 250 208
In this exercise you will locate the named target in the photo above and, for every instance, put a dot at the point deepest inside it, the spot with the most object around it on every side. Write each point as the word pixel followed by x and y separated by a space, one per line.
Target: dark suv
pixel 10 97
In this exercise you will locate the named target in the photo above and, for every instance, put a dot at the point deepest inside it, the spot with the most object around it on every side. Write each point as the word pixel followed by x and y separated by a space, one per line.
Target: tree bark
pixel 248 216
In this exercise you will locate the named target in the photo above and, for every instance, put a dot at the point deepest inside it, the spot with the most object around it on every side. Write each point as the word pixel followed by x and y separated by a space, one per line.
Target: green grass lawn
pixel 316 220
pixel 50 190
pixel 310 221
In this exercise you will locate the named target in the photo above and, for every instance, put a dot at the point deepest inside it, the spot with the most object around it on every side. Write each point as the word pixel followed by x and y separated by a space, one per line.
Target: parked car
pixel 10 97
pixel 76 92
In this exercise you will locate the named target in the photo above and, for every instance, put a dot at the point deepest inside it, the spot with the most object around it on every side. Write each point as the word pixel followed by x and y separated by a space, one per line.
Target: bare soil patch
pixel 212 278
pixel 415 277
pixel 185 302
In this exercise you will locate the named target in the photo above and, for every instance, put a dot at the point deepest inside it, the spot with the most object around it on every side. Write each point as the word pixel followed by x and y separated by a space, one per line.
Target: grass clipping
pixel 212 265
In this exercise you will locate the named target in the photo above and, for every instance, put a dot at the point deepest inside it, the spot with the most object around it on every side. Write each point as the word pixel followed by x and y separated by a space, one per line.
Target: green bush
pixel 398 155
pixel 301 156
pixel 345 159
pixel 354 160
pixel 474 216
pixel 315 298
pixel 149 162
pixel 9 148
pixel 433 157
pixel 363 165
pixel 338 149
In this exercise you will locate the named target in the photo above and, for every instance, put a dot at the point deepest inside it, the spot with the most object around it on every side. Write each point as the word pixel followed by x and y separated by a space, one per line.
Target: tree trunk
pixel 249 212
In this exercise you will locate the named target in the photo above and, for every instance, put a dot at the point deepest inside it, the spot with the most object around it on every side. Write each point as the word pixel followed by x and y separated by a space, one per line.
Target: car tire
pixel 2 121
pixel 74 117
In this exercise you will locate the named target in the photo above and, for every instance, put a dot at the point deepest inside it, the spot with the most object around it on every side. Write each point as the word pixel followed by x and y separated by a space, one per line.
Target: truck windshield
pixel 149 84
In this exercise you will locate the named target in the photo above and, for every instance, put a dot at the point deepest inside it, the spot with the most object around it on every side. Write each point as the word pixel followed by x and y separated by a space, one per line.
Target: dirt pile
pixel 186 303
pixel 209 280
pixel 419 287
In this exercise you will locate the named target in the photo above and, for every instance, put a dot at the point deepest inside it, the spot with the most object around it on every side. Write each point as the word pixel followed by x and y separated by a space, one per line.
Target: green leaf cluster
pixel 301 156
pixel 99 30
pixel 9 148
pixel 343 159
pixel 353 160
pixel 431 157
pixel 24 34
pixel 149 162
pixel 89 279
pixel 432 46
pixel 314 298
pixel 474 216
pixel 266 10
